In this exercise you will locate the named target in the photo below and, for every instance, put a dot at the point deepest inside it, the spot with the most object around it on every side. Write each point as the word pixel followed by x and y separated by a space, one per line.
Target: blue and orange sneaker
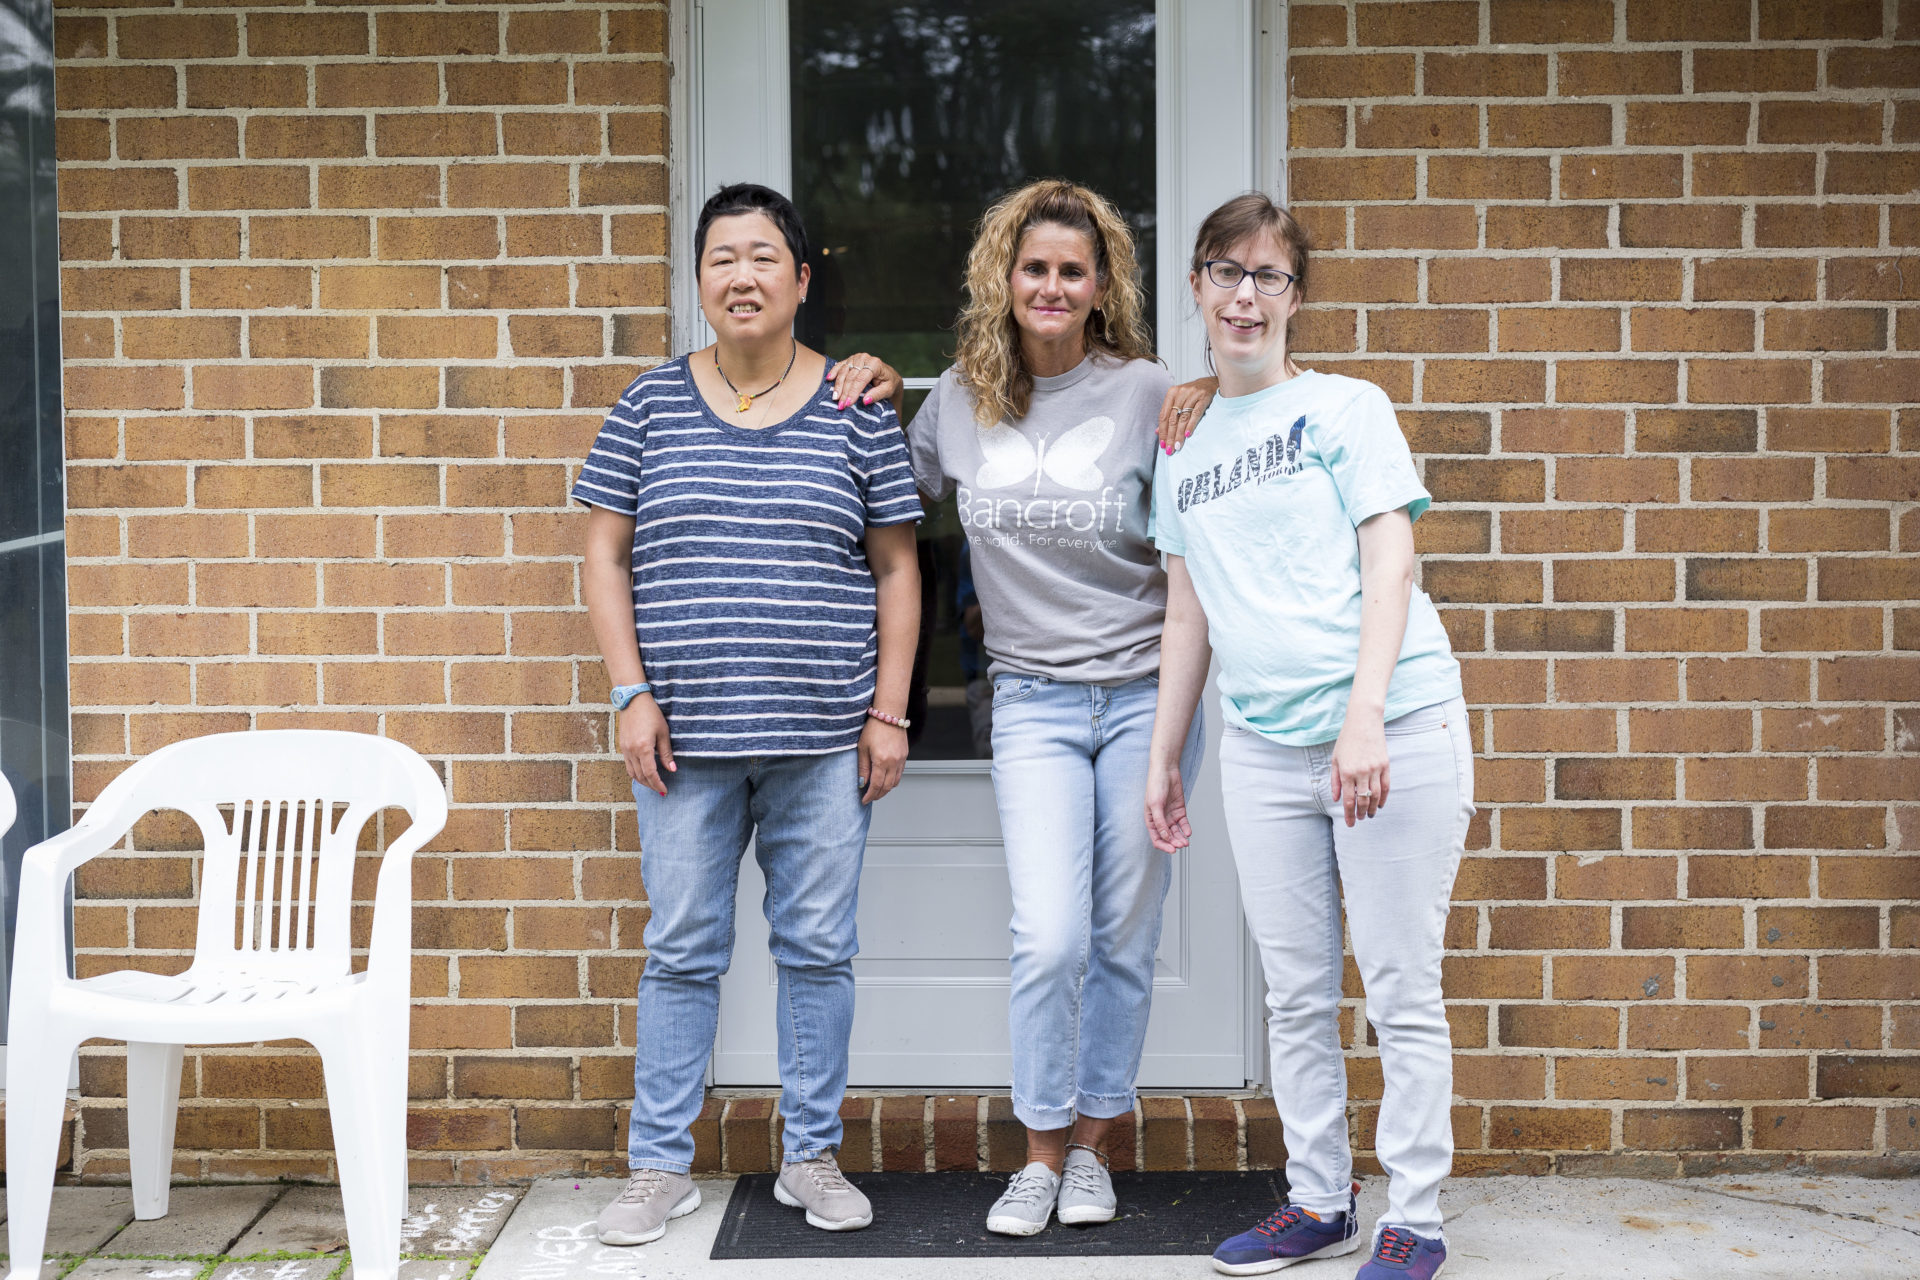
pixel 1398 1254
pixel 1288 1235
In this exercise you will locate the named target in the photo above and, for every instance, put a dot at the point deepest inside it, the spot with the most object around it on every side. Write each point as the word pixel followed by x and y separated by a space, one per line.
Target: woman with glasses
pixel 1287 526
pixel 1044 430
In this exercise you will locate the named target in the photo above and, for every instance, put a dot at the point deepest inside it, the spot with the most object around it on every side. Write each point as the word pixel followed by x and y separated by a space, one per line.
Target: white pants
pixel 1296 856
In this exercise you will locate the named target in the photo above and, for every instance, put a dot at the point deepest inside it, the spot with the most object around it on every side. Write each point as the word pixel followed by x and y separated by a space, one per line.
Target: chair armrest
pixel 390 949
pixel 40 951
pixel 57 857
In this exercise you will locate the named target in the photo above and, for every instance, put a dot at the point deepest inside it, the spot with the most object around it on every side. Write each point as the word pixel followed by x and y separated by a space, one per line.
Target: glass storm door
pixel 893 126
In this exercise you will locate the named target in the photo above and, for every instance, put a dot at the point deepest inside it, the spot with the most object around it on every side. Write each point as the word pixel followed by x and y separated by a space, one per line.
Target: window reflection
pixel 908 121
pixel 33 623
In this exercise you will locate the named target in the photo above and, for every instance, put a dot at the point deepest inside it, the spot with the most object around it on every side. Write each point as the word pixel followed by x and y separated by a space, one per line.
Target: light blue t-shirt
pixel 1263 502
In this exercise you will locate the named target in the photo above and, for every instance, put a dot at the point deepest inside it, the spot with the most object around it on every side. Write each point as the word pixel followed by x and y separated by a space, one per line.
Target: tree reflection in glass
pixel 908 121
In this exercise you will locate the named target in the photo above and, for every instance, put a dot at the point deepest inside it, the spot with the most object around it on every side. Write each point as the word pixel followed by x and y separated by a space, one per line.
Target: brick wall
pixel 346 291
pixel 1642 275
pixel 347 286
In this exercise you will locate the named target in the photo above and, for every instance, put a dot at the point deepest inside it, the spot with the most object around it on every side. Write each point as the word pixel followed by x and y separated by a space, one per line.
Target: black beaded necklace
pixel 746 401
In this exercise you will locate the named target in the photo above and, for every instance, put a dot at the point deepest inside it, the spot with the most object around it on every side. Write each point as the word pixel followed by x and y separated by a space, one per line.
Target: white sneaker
pixel 640 1213
pixel 1086 1191
pixel 817 1185
pixel 1024 1207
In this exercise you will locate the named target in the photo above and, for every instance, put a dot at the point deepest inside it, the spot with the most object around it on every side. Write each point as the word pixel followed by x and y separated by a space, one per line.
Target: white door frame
pixel 1221 128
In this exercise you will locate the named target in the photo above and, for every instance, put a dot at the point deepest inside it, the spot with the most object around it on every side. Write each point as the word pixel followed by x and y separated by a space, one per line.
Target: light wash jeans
pixel 1070 779
pixel 812 832
pixel 1295 855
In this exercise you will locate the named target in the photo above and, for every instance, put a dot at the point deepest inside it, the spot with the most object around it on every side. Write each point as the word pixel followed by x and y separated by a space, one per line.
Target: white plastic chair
pixel 280 813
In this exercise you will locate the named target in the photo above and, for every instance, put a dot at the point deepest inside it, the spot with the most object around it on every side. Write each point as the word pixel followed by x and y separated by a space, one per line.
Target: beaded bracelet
pixel 898 722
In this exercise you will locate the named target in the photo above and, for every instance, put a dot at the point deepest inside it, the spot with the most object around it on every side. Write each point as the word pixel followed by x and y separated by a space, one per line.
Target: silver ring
pixel 1181 413
pixel 1363 794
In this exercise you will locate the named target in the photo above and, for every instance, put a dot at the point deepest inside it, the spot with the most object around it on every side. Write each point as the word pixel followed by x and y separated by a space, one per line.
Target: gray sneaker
pixel 1024 1207
pixel 832 1203
pixel 640 1214
pixel 1086 1192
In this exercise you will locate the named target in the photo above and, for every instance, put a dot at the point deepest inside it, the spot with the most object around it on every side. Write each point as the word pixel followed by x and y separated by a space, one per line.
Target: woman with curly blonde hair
pixel 1044 431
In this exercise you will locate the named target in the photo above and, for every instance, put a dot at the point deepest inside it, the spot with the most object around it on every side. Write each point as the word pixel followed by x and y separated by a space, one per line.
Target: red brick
pixel 1486 178
pixel 1604 176
pixel 1560 529
pixel 1556 629
pixel 1825 827
pixel 1558 126
pixel 1559 329
pixel 1544 227
pixel 1615 278
pixel 1749 381
pixel 1351 76
pixel 1550 1128
pixel 1613 977
pixel 1686 124
pixel 1819 20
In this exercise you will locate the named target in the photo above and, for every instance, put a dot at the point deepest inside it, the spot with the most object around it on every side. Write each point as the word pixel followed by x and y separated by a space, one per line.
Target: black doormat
pixel 944 1215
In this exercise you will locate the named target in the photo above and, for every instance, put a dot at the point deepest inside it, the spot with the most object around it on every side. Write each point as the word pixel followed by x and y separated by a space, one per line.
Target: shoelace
pixel 1084 1178
pixel 642 1185
pixel 1395 1246
pixel 826 1175
pixel 1285 1218
pixel 1027 1188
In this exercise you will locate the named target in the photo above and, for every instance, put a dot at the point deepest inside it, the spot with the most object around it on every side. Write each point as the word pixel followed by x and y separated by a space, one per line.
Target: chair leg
pixel 362 1146
pixel 393 1092
pixel 36 1108
pixel 153 1109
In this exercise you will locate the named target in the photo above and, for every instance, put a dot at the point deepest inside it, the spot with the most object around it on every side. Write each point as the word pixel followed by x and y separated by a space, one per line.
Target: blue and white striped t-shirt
pixel 752 598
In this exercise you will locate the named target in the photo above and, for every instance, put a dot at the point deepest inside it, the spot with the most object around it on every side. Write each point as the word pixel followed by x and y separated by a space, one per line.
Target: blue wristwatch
pixel 625 693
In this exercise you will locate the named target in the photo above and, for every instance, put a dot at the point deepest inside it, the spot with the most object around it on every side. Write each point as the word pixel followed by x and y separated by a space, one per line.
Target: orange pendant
pixel 746 403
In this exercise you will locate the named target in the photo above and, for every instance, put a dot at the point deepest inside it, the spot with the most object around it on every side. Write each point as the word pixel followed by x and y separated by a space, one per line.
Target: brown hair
pixel 1241 219
pixel 989 359
pixel 1244 217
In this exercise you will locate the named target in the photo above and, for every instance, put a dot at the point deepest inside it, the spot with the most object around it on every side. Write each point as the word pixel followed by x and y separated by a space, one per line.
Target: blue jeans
pixel 812 833
pixel 1070 779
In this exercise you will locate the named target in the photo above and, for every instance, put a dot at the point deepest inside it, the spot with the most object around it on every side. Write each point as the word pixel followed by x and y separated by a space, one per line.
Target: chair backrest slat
pixel 281 813
pixel 278 848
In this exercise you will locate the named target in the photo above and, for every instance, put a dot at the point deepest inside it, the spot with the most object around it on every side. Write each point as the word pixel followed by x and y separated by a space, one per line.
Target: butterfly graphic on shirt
pixel 1069 459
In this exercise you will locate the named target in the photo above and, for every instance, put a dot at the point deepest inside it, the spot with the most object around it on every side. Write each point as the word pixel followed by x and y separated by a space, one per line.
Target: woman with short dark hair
pixel 751 578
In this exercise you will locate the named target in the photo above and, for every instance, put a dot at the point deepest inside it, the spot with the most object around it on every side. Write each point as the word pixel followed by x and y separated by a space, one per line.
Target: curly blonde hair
pixel 989 358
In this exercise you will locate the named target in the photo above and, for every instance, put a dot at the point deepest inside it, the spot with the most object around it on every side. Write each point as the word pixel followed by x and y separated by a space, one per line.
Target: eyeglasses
pixel 1228 274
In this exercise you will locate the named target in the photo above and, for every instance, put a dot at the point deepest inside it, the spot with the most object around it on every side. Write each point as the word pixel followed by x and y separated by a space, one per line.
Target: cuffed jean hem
pixel 1041 1117
pixel 664 1166
pixel 1104 1106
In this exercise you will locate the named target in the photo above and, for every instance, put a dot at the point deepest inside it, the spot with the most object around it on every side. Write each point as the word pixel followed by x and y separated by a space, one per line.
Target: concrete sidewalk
pixel 1758 1227
pixel 1742 1228
pixel 271 1232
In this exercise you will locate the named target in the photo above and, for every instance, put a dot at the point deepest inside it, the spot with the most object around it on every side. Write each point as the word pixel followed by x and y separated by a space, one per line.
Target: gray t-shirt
pixel 1055 511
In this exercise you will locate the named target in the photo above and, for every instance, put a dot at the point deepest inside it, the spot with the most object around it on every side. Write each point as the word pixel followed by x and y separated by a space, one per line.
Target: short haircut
pixel 751 197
